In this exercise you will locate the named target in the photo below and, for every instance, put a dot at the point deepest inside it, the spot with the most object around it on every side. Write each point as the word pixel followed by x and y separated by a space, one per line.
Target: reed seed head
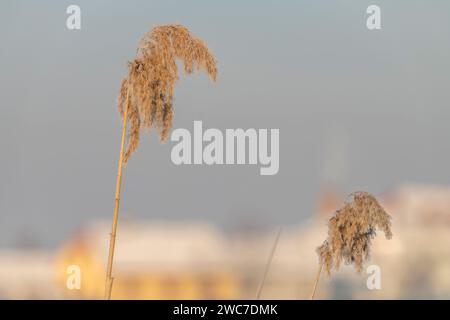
pixel 351 230
pixel 148 87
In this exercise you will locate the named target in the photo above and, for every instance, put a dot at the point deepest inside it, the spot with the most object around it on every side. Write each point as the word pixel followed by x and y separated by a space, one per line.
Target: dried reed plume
pixel 146 97
pixel 151 77
pixel 350 233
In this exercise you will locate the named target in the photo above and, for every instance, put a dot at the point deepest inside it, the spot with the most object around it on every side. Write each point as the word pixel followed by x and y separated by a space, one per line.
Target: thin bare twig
pixel 269 262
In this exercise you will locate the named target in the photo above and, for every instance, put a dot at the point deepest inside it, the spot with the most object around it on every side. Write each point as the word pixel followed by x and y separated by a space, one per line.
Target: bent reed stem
pixel 112 240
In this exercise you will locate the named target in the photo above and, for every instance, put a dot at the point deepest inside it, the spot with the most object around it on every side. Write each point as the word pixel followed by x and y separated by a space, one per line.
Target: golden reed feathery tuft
pixel 152 75
pixel 350 233
pixel 146 97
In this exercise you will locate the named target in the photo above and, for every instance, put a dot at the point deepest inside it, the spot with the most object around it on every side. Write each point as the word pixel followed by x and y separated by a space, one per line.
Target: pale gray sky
pixel 365 109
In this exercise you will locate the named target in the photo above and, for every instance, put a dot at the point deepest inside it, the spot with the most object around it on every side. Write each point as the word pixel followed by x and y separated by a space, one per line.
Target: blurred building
pixel 153 260
pixel 194 260
pixel 27 274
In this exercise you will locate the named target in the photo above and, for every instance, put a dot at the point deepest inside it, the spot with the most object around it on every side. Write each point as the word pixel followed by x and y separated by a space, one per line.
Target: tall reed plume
pixel 146 96
pixel 350 233
pixel 152 75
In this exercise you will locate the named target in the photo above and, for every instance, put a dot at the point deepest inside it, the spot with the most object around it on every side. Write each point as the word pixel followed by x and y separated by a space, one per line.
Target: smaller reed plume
pixel 350 233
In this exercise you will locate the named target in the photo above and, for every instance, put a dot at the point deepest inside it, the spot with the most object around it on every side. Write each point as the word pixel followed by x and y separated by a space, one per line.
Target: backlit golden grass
pixel 146 97
pixel 351 230
pixel 151 76
pixel 350 233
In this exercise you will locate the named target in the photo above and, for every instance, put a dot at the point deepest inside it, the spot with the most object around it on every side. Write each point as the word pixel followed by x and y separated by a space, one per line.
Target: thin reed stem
pixel 112 240
pixel 269 262
pixel 316 282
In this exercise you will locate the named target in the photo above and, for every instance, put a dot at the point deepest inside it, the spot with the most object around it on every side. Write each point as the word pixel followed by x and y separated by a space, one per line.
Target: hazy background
pixel 356 108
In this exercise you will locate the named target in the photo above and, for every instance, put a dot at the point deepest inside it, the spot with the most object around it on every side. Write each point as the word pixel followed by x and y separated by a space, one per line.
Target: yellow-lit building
pixel 179 260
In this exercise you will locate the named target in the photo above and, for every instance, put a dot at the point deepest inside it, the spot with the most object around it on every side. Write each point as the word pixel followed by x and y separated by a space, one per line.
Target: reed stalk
pixel 112 240
pixel 316 282
pixel 268 263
